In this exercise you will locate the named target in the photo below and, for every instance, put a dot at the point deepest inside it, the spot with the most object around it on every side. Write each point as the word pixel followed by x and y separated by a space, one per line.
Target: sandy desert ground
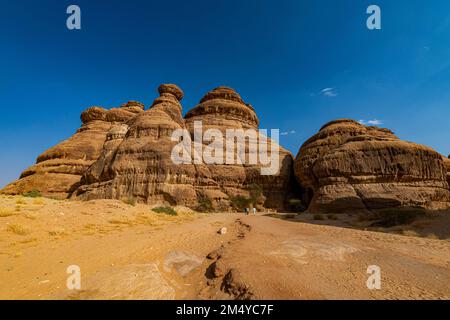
pixel 131 252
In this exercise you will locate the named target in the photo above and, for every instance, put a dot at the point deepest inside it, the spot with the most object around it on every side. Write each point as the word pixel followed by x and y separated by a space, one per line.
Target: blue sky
pixel 299 63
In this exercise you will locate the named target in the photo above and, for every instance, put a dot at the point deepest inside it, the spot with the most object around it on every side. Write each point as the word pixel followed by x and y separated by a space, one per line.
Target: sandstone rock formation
pixel 447 165
pixel 136 163
pixel 224 109
pixel 57 171
pixel 348 167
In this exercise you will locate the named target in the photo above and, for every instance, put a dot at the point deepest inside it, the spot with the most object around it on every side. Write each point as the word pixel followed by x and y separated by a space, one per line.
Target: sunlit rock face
pixel 223 109
pixel 447 166
pixel 57 171
pixel 348 167
pixel 136 161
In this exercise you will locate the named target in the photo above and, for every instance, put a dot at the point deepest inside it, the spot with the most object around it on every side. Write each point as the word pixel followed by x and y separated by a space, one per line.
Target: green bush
pixel 166 210
pixel 32 194
pixel 332 217
pixel 318 217
pixel 130 201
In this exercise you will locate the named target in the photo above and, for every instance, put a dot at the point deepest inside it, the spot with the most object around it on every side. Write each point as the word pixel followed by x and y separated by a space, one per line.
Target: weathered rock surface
pixel 57 171
pixel 136 163
pixel 223 109
pixel 347 166
pixel 447 165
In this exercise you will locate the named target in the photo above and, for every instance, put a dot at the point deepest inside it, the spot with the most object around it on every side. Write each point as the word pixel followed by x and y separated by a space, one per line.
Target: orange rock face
pixel 223 109
pixel 349 167
pixel 57 171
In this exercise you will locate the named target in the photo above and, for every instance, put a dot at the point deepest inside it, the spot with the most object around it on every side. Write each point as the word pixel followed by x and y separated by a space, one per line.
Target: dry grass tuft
pixel 318 217
pixel 18 229
pixel 31 216
pixel 410 233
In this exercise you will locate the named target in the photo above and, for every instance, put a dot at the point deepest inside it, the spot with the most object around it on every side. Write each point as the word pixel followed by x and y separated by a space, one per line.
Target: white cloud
pixel 373 122
pixel 285 133
pixel 329 92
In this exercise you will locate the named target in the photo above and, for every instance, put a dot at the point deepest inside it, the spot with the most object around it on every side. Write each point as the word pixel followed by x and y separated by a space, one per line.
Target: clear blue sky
pixel 279 55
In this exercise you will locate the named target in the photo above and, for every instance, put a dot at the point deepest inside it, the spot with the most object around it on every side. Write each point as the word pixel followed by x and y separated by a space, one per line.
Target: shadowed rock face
pixel 136 162
pixel 347 166
pixel 57 171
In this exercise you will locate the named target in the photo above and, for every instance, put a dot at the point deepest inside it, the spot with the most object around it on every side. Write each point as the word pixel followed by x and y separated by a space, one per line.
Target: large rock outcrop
pixel 347 167
pixel 223 109
pixel 136 162
pixel 447 166
pixel 57 171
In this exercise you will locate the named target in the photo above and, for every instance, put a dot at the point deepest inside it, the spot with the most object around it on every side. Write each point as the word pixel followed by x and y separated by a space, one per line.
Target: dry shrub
pixel 21 201
pixel 57 232
pixel 318 217
pixel 125 221
pixel 410 233
pixel 131 201
pixel 166 210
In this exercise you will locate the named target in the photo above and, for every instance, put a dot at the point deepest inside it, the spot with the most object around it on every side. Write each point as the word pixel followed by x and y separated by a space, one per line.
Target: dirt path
pixel 259 257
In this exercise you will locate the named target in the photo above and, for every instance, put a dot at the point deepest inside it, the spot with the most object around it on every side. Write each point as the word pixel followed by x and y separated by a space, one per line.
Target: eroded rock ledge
pixel 347 166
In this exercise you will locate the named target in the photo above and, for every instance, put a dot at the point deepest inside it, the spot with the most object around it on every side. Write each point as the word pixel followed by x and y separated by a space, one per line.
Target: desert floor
pixel 130 252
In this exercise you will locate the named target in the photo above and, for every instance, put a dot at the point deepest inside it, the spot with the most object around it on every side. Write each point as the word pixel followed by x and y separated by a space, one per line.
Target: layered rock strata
pixel 58 170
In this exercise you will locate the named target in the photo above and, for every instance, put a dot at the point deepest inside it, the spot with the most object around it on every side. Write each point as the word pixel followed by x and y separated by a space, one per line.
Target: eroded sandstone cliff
pixel 347 167
pixel 57 171
pixel 136 162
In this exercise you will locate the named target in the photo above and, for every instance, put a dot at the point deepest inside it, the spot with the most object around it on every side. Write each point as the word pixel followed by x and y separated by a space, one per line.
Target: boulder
pixel 350 167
